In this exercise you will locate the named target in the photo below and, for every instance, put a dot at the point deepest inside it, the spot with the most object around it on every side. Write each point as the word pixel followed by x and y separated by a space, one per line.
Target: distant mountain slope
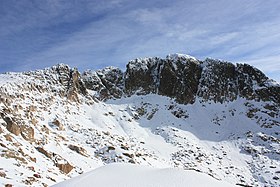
pixel 208 116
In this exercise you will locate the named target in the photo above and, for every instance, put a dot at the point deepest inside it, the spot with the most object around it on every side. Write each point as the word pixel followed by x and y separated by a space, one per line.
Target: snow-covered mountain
pixel 209 116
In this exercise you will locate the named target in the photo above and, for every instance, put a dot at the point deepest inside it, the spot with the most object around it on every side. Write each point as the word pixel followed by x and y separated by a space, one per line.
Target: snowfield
pixel 210 141
pixel 121 175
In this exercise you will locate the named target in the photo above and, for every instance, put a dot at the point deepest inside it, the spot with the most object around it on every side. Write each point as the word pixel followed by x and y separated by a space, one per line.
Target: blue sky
pixel 92 34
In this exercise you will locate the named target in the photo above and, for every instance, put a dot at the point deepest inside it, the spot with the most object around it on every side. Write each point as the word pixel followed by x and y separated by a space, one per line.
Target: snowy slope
pixel 52 128
pixel 117 175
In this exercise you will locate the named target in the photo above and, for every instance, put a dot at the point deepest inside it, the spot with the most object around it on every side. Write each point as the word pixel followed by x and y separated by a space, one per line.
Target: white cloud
pixel 270 65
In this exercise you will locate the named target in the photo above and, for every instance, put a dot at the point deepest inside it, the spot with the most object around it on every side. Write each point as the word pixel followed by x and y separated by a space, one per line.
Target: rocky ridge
pixel 184 78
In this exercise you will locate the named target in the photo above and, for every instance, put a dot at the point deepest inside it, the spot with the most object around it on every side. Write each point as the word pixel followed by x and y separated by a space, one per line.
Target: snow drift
pixel 120 175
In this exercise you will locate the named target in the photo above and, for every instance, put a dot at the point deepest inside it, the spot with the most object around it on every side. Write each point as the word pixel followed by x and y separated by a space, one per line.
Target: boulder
pixel 3 174
pixel 12 126
pixel 65 168
pixel 44 152
pixel 27 132
pixel 57 123
pixel 59 162
pixel 78 149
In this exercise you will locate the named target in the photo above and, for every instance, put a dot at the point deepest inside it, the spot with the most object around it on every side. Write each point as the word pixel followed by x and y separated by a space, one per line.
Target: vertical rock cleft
pixel 75 85
pixel 140 76
pixel 179 78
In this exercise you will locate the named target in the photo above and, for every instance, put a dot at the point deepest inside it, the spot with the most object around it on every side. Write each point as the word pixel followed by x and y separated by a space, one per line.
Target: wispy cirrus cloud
pixel 94 34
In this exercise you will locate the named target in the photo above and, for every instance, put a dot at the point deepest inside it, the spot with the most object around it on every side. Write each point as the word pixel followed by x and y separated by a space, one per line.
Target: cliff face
pixel 185 79
pixel 175 77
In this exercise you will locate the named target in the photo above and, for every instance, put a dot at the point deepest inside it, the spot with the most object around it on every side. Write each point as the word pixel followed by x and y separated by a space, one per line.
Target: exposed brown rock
pixel 12 126
pixel 13 154
pixel 29 180
pixel 27 132
pixel 65 168
pixel 36 175
pixel 26 156
pixel 8 137
pixel 1 130
pixel 2 174
pixel 109 148
pixel 3 145
pixel 128 155
pixel 31 168
pixel 32 108
pixel 75 86
pixel 78 149
pixel 34 121
pixel 44 152
pixel 45 129
pixel 57 123
pixel 59 162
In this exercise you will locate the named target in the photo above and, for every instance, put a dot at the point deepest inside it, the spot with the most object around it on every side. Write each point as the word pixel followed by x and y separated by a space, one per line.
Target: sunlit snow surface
pixel 121 175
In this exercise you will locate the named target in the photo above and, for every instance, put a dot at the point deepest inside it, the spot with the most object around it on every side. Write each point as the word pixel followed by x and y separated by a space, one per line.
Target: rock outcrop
pixel 63 165
pixel 12 126
pixel 106 83
pixel 61 74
